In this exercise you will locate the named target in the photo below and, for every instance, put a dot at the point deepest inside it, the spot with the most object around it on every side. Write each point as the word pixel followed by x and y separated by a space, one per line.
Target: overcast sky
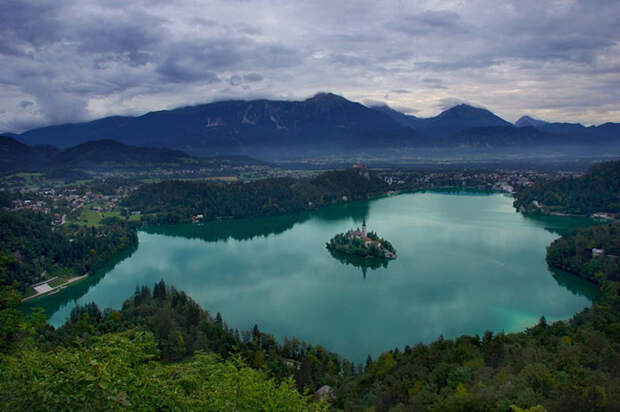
pixel 74 60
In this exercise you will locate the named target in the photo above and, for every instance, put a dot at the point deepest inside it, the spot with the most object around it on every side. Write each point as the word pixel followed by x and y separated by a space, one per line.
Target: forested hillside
pixel 34 251
pixel 160 351
pixel 596 191
pixel 574 254
pixel 177 201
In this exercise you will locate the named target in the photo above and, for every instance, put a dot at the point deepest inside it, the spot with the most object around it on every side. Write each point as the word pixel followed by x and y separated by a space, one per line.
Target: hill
pixel 102 155
pixel 573 253
pixel 605 133
pixel 177 201
pixel 16 156
pixel 596 191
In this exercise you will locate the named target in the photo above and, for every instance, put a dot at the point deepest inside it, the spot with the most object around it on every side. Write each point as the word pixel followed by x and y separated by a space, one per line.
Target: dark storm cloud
pixel 427 22
pixel 76 60
pixel 25 22
pixel 253 77
pixel 200 61
pixel 131 36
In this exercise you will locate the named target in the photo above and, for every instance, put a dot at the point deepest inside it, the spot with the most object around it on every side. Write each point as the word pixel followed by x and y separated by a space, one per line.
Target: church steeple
pixel 364 233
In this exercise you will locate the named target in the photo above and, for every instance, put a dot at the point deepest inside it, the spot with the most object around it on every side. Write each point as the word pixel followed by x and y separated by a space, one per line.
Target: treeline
pixel 178 201
pixel 596 191
pixel 34 251
pixel 181 328
pixel 573 253
pixel 564 366
pixel 161 350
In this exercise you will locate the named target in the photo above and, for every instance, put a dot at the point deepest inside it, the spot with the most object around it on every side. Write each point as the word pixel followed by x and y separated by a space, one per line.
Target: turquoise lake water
pixel 466 263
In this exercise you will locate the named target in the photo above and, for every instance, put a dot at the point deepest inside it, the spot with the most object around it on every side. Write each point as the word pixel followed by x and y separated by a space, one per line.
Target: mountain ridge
pixel 324 123
pixel 99 155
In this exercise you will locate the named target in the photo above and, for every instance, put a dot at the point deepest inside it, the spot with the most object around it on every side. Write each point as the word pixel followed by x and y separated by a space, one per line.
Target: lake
pixel 466 263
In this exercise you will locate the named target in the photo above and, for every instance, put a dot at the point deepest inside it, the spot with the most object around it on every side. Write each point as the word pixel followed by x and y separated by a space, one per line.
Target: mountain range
pixel 326 123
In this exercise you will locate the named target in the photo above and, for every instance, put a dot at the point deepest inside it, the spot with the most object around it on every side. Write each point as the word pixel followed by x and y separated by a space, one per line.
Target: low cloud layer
pixel 77 60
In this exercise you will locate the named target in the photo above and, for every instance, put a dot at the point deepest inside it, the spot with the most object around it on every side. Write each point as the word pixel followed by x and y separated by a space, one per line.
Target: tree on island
pixel 362 243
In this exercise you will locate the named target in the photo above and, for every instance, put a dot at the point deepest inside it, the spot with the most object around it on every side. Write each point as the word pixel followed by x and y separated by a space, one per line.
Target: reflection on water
pixel 575 284
pixel 560 225
pixel 248 229
pixel 467 263
pixel 360 262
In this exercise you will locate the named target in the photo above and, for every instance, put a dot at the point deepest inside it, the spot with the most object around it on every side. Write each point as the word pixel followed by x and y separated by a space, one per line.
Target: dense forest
pixel 574 253
pixel 596 191
pixel 36 250
pixel 178 201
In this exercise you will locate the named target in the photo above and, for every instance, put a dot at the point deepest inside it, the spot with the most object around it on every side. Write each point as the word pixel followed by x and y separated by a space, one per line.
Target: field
pixel 91 217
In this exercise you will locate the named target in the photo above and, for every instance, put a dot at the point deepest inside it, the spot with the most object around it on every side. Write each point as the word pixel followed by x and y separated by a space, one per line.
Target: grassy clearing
pixel 90 217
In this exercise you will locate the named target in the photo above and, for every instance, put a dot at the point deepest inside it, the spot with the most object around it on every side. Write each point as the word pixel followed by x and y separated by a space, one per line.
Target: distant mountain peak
pixel 326 95
pixel 529 121
pixel 327 98
pixel 464 115
pixel 464 109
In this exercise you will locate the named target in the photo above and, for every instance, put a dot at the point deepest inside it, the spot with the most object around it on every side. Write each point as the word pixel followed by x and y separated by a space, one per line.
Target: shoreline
pixel 55 289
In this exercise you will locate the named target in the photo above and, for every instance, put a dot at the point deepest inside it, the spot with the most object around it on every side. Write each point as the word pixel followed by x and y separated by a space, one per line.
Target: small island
pixel 362 243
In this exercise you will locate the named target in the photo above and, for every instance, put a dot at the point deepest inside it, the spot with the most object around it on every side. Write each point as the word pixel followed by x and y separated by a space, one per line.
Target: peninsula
pixel 362 243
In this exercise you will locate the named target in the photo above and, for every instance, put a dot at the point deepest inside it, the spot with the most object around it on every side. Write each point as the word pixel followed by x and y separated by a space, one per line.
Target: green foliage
pixel 597 191
pixel 37 249
pixel 181 329
pixel 573 253
pixel 178 201
pixel 347 243
pixel 119 372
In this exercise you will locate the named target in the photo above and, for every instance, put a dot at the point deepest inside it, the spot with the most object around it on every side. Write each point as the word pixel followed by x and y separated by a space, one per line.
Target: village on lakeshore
pixel 362 243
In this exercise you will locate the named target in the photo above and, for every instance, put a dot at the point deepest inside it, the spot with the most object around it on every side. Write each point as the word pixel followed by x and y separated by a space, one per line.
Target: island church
pixel 363 234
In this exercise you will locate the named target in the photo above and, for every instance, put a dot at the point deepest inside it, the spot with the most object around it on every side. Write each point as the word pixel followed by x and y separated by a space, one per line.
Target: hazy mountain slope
pixel 326 124
pixel 500 136
pixel 103 154
pixel 18 156
pixel 112 152
pixel 462 117
pixel 324 120
pixel 605 131
pixel 416 123
pixel 448 122
pixel 525 121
